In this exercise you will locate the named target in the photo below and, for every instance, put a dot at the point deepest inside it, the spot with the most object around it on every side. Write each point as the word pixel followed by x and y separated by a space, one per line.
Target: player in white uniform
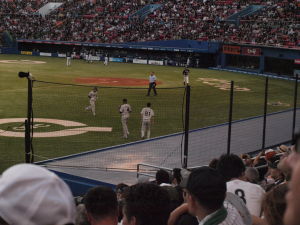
pixel 93 95
pixel 125 110
pixel 105 60
pixel 147 118
pixel 232 168
pixel 68 54
pixel 185 74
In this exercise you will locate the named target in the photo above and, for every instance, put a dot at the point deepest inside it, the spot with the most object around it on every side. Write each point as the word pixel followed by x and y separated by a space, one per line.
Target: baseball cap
pixel 269 154
pixel 185 176
pixel 32 195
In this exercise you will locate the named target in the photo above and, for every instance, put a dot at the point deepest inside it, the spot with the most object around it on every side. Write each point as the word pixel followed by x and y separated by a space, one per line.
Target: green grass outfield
pixel 209 104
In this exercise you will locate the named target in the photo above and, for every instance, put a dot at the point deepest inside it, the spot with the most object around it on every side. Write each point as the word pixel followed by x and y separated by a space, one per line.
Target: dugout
pixel 260 59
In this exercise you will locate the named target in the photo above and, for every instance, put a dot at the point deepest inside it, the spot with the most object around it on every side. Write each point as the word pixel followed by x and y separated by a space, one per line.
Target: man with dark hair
pixel 146 204
pixel 162 177
pixel 233 170
pixel 101 206
pixel 205 194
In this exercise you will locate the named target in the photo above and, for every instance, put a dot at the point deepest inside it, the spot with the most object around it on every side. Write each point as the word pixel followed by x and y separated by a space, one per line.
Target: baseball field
pixel 62 126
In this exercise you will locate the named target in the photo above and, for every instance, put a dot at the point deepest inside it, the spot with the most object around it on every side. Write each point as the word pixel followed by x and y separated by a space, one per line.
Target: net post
pixel 265 113
pixel 187 125
pixel 295 106
pixel 28 123
pixel 230 116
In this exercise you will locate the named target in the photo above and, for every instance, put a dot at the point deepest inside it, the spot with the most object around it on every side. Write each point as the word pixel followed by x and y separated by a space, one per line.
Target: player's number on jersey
pixel 147 113
pixel 241 194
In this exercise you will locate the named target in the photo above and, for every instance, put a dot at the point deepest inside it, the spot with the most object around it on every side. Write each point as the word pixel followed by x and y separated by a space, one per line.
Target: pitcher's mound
pixel 110 81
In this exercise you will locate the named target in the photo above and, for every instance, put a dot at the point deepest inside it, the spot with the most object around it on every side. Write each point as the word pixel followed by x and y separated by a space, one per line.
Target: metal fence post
pixel 295 107
pixel 265 113
pixel 186 126
pixel 28 124
pixel 230 116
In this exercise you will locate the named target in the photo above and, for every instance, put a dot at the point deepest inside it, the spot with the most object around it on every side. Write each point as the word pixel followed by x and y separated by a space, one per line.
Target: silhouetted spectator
pixel 101 206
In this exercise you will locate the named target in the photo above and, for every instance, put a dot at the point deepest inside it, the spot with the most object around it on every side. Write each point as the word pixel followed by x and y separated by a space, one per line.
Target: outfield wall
pixel 250 58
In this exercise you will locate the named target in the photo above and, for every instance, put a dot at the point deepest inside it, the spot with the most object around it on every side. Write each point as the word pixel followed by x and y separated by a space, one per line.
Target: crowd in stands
pixel 108 21
pixel 232 190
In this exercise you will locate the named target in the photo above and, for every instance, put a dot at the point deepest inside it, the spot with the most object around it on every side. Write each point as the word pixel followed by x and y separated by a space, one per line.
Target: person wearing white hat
pixel 32 195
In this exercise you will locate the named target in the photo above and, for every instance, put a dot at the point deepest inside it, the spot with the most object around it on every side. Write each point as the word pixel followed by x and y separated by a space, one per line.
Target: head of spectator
pixel 269 154
pixel 101 206
pixel 247 160
pixel 162 177
pixel 292 212
pixel 287 171
pixel 231 166
pixel 213 163
pixel 274 205
pixel 146 204
pixel 252 175
pixel 206 192
pixel 30 194
pixel 275 172
pixel 81 216
pixel 177 177
pixel 120 190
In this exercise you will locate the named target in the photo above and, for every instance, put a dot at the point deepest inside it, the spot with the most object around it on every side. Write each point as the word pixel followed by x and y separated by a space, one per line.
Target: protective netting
pixel 74 129
pixel 208 124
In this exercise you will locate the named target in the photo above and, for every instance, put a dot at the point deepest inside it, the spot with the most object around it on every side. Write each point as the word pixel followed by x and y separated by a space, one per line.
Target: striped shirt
pixel 233 216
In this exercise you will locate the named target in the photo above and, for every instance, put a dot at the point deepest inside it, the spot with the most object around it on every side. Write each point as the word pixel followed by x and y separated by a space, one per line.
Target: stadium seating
pixel 107 21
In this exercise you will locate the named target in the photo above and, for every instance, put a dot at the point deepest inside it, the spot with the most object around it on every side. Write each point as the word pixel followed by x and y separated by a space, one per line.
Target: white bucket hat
pixel 32 195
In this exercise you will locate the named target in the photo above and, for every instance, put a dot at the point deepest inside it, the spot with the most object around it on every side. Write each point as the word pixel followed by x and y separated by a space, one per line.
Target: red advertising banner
pixel 231 49
pixel 251 51
pixel 297 61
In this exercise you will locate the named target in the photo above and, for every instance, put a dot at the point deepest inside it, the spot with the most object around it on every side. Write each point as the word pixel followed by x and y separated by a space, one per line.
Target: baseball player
pixel 152 84
pixel 93 95
pixel 105 60
pixel 147 118
pixel 68 54
pixel 185 74
pixel 125 110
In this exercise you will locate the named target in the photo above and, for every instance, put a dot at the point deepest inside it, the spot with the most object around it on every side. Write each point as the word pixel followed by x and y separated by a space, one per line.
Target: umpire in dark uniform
pixel 152 84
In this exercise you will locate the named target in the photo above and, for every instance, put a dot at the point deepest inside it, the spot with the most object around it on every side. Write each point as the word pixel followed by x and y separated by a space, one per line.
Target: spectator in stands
pixel 162 178
pixel 30 194
pixel 101 206
pixel 81 216
pixel 252 175
pixel 213 163
pixel 247 160
pixel 233 170
pixel 291 216
pixel 121 190
pixel 275 174
pixel 274 205
pixel 177 177
pixel 146 204
pixel 205 193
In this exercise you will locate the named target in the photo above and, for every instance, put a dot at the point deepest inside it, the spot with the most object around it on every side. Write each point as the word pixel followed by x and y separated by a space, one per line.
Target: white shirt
pixel 125 110
pixel 93 95
pixel 233 216
pixel 147 113
pixel 152 78
pixel 251 194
